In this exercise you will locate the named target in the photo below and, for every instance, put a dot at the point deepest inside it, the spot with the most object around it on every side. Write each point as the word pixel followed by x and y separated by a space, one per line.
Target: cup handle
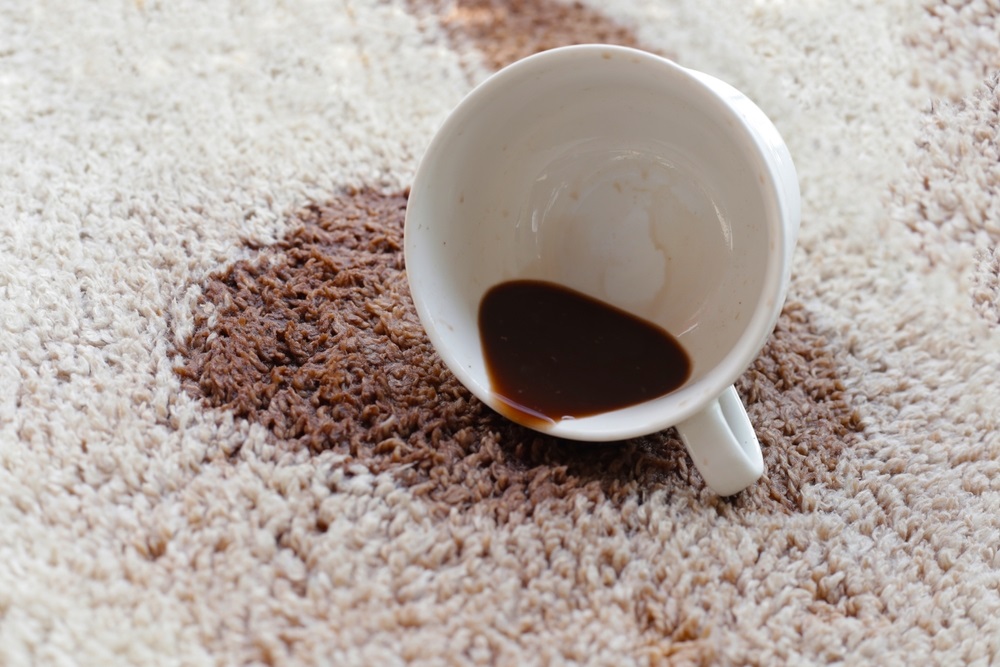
pixel 723 444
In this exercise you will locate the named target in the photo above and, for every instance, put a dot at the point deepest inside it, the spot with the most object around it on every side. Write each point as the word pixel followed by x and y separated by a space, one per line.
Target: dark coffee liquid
pixel 553 353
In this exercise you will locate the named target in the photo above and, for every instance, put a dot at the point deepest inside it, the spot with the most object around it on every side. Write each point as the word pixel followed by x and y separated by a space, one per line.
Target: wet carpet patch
pixel 316 338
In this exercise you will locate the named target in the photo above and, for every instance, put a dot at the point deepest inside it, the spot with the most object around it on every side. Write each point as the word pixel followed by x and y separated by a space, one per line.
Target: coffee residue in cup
pixel 553 353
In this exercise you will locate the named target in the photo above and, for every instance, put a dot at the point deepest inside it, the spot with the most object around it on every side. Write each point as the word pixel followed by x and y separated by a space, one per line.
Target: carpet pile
pixel 225 438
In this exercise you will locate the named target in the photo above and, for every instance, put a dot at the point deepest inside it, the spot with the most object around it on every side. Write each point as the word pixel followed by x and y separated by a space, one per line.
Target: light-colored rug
pixel 224 438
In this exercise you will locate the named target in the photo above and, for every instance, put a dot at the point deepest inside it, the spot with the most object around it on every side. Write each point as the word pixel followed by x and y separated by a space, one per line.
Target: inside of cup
pixel 619 178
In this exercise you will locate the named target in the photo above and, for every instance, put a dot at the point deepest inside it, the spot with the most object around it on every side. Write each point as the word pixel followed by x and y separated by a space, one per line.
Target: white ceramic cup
pixel 617 173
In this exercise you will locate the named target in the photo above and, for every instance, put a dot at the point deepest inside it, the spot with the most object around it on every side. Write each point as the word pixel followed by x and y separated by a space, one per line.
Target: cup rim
pixel 702 89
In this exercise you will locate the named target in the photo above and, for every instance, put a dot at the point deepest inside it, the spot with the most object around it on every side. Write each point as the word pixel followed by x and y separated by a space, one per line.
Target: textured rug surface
pixel 226 440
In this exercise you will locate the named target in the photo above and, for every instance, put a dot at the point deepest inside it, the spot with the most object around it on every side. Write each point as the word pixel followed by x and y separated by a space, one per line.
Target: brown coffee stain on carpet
pixel 316 338
pixel 506 31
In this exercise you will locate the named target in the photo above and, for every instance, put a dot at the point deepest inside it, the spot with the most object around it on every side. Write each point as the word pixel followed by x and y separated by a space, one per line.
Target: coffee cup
pixel 655 189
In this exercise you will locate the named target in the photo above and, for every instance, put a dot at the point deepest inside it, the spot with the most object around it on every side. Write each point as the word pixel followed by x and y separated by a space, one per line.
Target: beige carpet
pixel 225 440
